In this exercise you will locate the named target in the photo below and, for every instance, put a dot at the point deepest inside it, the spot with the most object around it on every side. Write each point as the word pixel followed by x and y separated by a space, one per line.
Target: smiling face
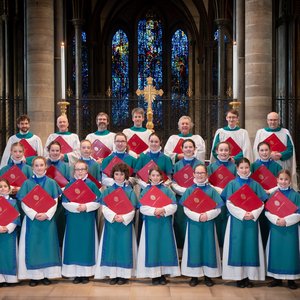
pixel 39 166
pixel 24 126
pixel 80 170
pixel 243 169
pixel 17 152
pixel 119 177
pixel 184 126
pixel 4 188
pixel 85 149
pixel 188 149
pixel 138 119
pixel 154 143
pixel 120 143
pixel 223 151
pixel 273 120
pixel 54 152
pixel 155 177
pixel 264 152
pixel 102 122
pixel 284 180
pixel 232 119
pixel 200 174
pixel 62 123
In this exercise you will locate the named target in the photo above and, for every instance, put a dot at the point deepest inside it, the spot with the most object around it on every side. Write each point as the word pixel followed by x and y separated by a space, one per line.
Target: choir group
pixel 119 206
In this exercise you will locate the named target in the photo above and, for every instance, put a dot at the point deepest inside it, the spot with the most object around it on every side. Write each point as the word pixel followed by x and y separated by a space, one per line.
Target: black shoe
pixel 122 281
pixel 77 280
pixel 194 281
pixel 163 280
pixel 4 284
pixel 113 281
pixel 33 282
pixel 240 283
pixel 292 285
pixel 248 283
pixel 46 281
pixel 85 280
pixel 208 281
pixel 275 282
pixel 155 281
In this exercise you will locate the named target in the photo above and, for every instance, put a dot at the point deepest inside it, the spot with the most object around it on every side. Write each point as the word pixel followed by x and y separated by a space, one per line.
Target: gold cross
pixel 149 94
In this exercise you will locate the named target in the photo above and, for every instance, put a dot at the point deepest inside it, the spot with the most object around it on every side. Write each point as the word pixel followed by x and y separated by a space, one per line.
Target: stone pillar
pixel 40 66
pixel 258 64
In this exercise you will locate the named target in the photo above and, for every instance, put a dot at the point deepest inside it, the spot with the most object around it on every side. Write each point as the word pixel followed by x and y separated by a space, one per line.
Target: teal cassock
pixel 94 168
pixel 180 218
pixel 22 166
pixel 201 235
pixel 41 239
pixel 244 234
pixel 283 245
pixel 8 247
pixel 128 159
pixel 270 164
pixel 117 238
pixel 61 166
pixel 79 240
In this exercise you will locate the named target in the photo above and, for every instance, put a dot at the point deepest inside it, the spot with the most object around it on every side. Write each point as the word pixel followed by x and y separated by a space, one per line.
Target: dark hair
pixel 23 118
pixel 6 181
pixel 233 111
pixel 53 143
pixel 226 143
pixel 204 166
pixel 39 157
pixel 188 140
pixel 121 167
pixel 243 160
pixel 284 171
pixel 263 143
pixel 157 169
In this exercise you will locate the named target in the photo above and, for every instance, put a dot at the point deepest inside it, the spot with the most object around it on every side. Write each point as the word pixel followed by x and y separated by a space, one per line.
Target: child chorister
pixel 282 252
pixel 157 253
pixel 8 242
pixel 118 248
pixel 39 255
pixel 243 256
pixel 201 254
pixel 81 236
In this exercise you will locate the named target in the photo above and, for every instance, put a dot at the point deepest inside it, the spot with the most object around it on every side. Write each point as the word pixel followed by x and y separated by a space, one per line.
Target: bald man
pixel 287 157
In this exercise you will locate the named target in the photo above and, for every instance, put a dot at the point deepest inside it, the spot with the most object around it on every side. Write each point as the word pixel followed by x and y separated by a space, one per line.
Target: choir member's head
pixel 154 142
pixel 185 125
pixel 138 116
pixel 243 167
pixel 80 170
pixel 120 142
pixel 264 150
pixel 120 173
pixel 223 151
pixel 54 149
pixel 188 148
pixel 284 179
pixel 86 148
pixel 155 175
pixel 23 123
pixel 39 166
pixel 17 152
pixel 4 187
pixel 273 120
pixel 200 174
pixel 62 123
pixel 232 118
pixel 102 121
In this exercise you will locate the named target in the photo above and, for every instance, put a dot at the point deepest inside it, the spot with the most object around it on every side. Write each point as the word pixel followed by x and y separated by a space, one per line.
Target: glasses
pixel 120 141
pixel 80 169
pixel 200 173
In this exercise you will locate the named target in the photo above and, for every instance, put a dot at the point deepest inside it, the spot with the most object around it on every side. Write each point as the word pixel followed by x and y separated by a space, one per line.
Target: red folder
pixel 79 192
pixel 118 202
pixel 64 146
pixel 14 176
pixel 136 144
pixel 184 177
pixel 28 150
pixel 280 205
pixel 92 178
pixel 275 143
pixel 264 177
pixel 54 173
pixel 234 147
pixel 143 173
pixel 7 212
pixel 199 202
pixel 116 160
pixel 39 200
pixel 100 150
pixel 246 199
pixel 155 198
pixel 221 177
pixel 178 147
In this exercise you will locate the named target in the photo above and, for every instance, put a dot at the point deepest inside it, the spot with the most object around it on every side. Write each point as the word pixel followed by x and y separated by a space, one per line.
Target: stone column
pixel 258 64
pixel 40 66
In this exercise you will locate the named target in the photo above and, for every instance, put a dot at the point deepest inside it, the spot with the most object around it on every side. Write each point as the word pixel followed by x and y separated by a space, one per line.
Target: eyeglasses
pixel 200 173
pixel 80 169
pixel 120 141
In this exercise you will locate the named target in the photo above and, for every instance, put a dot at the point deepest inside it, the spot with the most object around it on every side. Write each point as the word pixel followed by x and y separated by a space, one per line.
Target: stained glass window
pixel 120 78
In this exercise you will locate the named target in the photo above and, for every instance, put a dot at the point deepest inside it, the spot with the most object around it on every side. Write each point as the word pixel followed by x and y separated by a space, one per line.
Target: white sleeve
pixel 212 214
pixel 179 190
pixel 11 227
pixel 6 154
pixel 191 214
pixel 200 148
pixel 39 146
pixel 235 211
pixel 30 213
pixel 50 213
pixel 147 210
pixel 256 212
pixel 107 181
pixel 169 147
pixel 108 214
pixel 292 219
pixel 170 209
pixel 71 207
pixel 90 206
pixel 141 183
pixel 128 217
pixel 271 217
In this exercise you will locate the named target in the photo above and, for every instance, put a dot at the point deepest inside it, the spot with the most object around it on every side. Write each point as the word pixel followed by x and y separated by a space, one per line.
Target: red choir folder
pixel 178 147
pixel 28 150
pixel 64 146
pixel 275 143
pixel 14 176
pixel 234 147
pixel 55 174
pixel 118 202
pixel 279 205
pixel 92 178
pixel 155 198
pixel 116 160
pixel 184 177
pixel 264 177
pixel 7 212
pixel 136 144
pixel 79 192
pixel 100 150
pixel 246 199
pixel 39 200
pixel 143 173
pixel 221 177
pixel 199 202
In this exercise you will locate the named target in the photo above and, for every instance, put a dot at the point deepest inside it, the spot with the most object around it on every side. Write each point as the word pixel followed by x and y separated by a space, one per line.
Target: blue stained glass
pixel 120 78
